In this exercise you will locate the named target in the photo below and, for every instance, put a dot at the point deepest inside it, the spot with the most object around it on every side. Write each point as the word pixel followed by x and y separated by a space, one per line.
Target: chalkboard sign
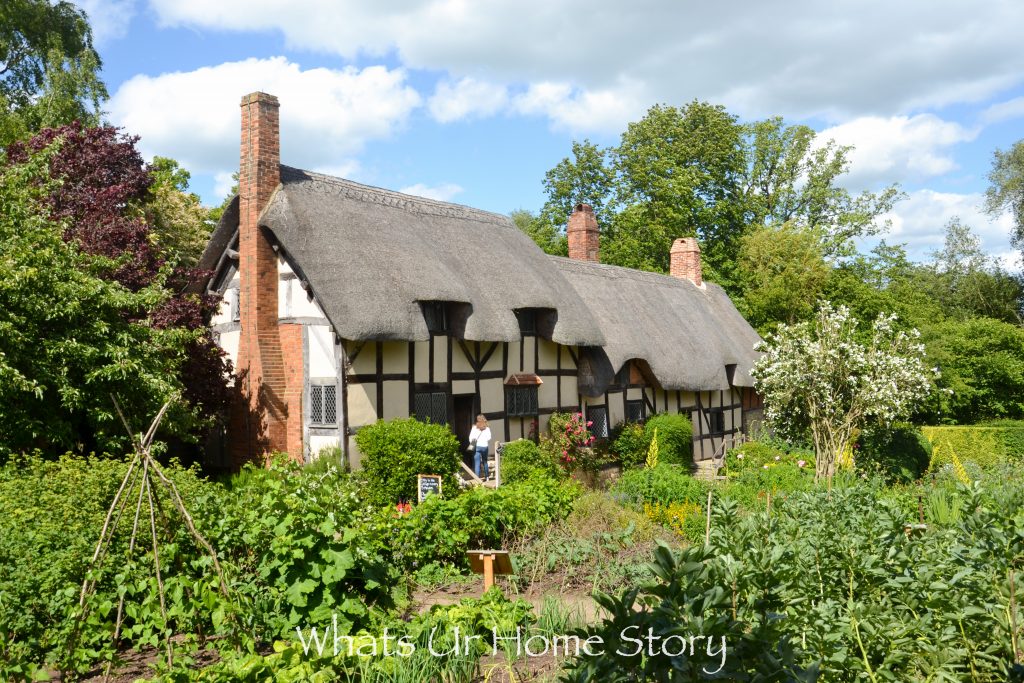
pixel 427 484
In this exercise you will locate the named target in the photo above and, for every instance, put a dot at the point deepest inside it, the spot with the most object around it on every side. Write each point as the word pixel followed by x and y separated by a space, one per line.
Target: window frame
pixel 604 421
pixel 715 417
pixel 532 402
pixel 436 398
pixel 319 387
pixel 527 318
pixel 633 403
pixel 436 317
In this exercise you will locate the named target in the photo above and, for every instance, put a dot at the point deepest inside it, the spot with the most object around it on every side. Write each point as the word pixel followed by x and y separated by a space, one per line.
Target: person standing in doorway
pixel 480 438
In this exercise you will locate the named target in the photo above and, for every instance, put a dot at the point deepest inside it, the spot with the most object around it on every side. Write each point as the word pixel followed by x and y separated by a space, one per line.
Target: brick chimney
pixel 685 260
pixel 259 419
pixel 583 234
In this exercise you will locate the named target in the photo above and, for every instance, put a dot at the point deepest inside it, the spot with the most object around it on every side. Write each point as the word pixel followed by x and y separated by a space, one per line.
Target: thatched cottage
pixel 345 304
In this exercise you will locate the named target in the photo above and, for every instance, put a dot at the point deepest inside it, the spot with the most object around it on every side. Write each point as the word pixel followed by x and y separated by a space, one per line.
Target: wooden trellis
pixel 145 472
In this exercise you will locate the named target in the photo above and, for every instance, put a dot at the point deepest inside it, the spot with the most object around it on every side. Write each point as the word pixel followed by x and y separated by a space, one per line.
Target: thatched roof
pixel 371 255
pixel 685 334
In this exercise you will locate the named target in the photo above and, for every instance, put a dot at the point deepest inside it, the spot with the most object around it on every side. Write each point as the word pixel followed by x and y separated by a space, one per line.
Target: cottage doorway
pixel 463 417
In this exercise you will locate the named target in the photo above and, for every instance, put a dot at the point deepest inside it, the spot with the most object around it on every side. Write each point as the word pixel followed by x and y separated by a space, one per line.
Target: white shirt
pixel 483 438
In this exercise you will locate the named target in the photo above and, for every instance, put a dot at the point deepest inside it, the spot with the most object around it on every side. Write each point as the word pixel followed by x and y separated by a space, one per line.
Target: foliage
pixel 545 235
pixel 695 170
pixel 570 442
pixel 685 519
pixel 785 272
pixel 50 74
pixel 982 363
pixel 1006 188
pixel 442 530
pixel 70 337
pixel 983 445
pixel 395 451
pixel 629 444
pixel 523 459
pixel 178 221
pixel 900 452
pixel 645 635
pixel 663 484
pixel 652 452
pixel 755 455
pixel 818 379
pixel 675 437
pixel 831 580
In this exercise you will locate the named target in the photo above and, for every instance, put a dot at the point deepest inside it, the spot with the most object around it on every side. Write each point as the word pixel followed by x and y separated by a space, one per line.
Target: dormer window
pixel 435 314
pixel 527 321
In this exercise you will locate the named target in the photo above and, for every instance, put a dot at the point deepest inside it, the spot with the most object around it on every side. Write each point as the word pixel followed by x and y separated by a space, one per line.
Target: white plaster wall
pixel 318 442
pixel 229 342
pixel 321 351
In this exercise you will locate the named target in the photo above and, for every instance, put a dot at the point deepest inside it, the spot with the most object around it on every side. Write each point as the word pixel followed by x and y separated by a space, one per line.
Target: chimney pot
pixel 684 260
pixel 583 234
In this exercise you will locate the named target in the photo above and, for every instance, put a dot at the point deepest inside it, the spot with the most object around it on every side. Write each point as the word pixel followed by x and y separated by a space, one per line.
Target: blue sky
pixel 472 101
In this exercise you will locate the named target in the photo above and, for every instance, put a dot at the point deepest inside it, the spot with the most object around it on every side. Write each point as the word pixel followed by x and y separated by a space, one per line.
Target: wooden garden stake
pixel 769 503
pixel 1013 620
pixel 707 526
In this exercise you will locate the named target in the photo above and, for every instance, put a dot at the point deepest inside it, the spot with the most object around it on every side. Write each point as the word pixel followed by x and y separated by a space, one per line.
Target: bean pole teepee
pixel 145 472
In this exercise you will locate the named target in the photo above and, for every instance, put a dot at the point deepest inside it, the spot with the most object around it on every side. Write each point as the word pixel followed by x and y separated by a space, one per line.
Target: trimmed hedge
pixel 395 451
pixel 523 459
pixel 901 452
pixel 983 445
pixel 675 437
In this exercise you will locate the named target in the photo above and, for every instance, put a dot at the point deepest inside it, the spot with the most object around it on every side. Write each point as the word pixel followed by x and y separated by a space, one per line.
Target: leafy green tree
pixel 585 178
pixel 70 336
pixel 49 70
pixel 179 222
pixel 785 273
pixel 544 233
pixel 981 361
pixel 1006 188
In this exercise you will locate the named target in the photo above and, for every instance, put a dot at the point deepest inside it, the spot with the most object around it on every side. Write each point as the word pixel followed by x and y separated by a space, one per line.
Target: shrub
pixel 663 484
pixel 675 437
pixel 900 453
pixel 523 459
pixel 629 444
pixel 985 446
pixel 395 451
pixel 754 455
pixel 570 442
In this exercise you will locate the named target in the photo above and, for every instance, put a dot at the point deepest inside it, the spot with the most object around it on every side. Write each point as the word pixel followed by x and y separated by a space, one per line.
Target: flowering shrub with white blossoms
pixel 817 380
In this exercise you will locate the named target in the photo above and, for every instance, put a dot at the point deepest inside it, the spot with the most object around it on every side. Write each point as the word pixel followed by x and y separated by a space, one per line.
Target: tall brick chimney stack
pixel 583 234
pixel 685 260
pixel 259 420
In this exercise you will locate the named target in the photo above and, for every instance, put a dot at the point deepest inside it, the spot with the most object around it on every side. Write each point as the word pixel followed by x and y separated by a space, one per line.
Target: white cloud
pixel 442 193
pixel 466 98
pixel 223 182
pixel 920 222
pixel 806 58
pixel 579 111
pixel 326 115
pixel 109 18
pixel 1004 111
pixel 897 148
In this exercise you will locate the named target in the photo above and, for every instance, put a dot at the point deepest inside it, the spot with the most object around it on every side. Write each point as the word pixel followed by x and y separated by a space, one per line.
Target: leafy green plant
pixel 662 484
pixel 395 451
pixel 523 459
pixel 629 444
pixel 675 437
pixel 900 453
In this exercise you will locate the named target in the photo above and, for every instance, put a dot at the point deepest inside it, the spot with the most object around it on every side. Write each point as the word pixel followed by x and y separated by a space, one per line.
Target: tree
pixel 818 380
pixel 48 68
pixel 697 171
pixel 178 221
pixel 546 235
pixel 982 364
pixel 968 283
pixel 785 272
pixel 90 188
pixel 1006 188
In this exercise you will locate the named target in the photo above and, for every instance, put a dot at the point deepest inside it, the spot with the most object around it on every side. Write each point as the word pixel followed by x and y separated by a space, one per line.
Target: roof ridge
pixel 621 271
pixel 385 197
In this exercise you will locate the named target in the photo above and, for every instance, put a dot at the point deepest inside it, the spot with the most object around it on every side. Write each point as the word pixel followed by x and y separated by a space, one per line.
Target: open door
pixel 463 417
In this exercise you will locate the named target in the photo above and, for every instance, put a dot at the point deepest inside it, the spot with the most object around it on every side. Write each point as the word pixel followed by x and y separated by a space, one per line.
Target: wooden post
pixel 769 503
pixel 920 509
pixel 488 571
pixel 707 527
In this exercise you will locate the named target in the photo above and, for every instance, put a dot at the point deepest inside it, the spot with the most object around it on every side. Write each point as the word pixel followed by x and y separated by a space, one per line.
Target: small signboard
pixel 427 484
pixel 489 563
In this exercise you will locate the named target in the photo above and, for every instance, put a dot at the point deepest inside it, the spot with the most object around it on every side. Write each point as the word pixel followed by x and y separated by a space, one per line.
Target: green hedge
pixel 523 459
pixel 630 441
pixel 900 453
pixel 983 445
pixel 395 451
